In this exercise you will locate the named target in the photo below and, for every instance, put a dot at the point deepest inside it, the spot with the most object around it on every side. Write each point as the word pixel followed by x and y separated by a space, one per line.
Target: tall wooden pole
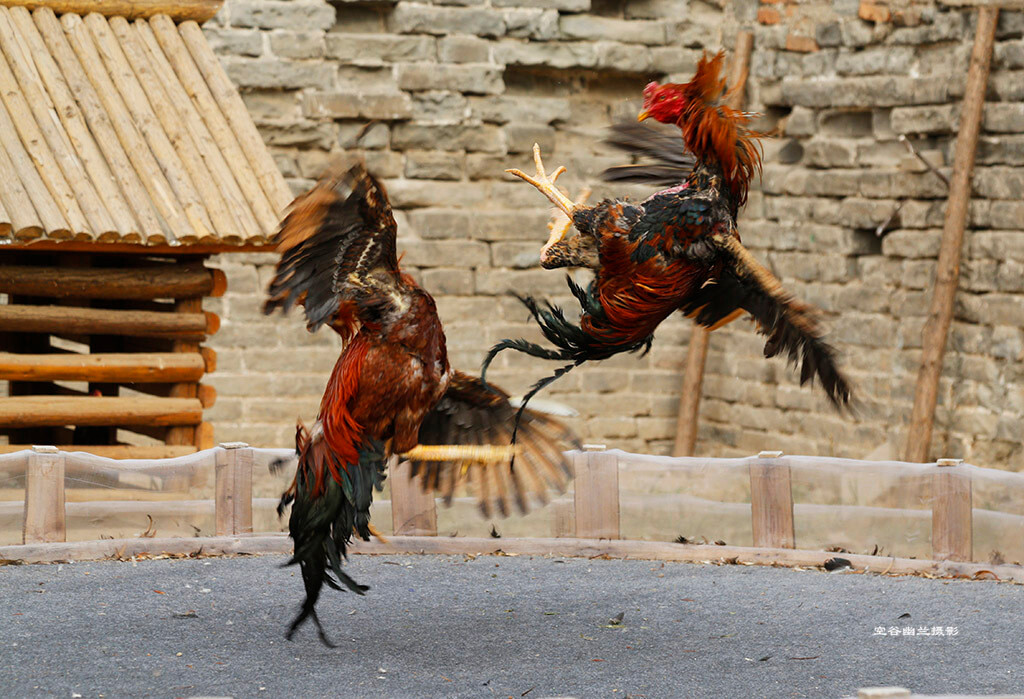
pixel 697 353
pixel 947 275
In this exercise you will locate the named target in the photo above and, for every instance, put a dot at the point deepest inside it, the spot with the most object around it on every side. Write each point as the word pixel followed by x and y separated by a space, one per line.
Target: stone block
pixel 560 5
pixel 415 18
pixel 869 91
pixel 238 42
pixel 453 281
pixel 531 23
pixel 485 138
pixel 275 14
pixel 912 243
pixel 592 27
pixel 465 48
pixel 289 44
pixel 275 74
pixel 552 54
pixel 434 165
pixel 412 194
pixel 673 59
pixel 357 105
pixel 371 136
pixel 520 109
pixel 999 182
pixel 521 137
pixel 441 223
pixel 375 49
pixel 439 106
pixel 475 78
pixel 629 58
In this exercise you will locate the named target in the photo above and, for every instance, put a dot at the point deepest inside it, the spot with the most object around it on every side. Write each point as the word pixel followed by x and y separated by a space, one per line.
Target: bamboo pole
pixel 596 495
pixel 142 112
pixel 18 208
pixel 413 509
pixel 148 169
pixel 233 498
pixel 771 502
pixel 233 108
pixel 166 281
pixel 697 352
pixel 178 10
pixel 102 368
pixel 95 219
pixel 102 321
pixel 22 165
pixel 150 228
pixel 952 525
pixel 46 411
pixel 947 274
pixel 227 142
pixel 44 497
pixel 223 225
pixel 77 130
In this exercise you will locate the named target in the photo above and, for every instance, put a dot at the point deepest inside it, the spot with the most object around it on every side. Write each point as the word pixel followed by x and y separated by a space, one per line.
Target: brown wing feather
pixel 337 244
pixel 470 413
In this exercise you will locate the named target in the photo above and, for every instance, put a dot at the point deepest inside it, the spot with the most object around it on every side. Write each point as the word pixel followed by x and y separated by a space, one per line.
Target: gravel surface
pixel 448 626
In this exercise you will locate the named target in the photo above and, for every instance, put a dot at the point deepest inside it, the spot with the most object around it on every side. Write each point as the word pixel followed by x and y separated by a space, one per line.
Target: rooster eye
pixel 661 98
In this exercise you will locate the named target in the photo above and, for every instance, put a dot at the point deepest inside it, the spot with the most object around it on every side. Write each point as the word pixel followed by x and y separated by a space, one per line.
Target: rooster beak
pixel 642 115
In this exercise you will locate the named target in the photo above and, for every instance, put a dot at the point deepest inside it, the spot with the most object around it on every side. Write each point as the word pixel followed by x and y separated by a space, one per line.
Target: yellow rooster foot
pixel 545 183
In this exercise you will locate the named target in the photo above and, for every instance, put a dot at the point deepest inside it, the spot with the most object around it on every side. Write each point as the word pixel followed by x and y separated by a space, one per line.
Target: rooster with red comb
pixel 678 250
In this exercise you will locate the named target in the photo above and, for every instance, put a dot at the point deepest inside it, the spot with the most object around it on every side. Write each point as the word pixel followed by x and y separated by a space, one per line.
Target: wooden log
pixel 771 504
pixel 50 215
pixel 150 228
pixel 233 498
pixel 102 368
pixel 952 520
pixel 114 451
pixel 178 10
pixel 44 497
pixel 160 192
pixel 596 494
pixel 193 122
pixel 223 225
pixel 697 351
pixel 413 510
pixel 100 321
pixel 167 281
pixel 234 109
pixel 947 275
pixel 77 130
pixel 95 220
pixel 190 389
pixel 209 356
pixel 142 112
pixel 44 411
pixel 204 436
pixel 19 213
pixel 39 148
pixel 227 142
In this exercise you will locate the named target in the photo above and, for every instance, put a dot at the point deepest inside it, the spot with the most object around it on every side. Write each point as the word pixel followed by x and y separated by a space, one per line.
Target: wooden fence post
pixel 771 502
pixel 413 511
pixel 44 497
pixel 596 494
pixel 952 500
pixel 233 504
pixel 564 524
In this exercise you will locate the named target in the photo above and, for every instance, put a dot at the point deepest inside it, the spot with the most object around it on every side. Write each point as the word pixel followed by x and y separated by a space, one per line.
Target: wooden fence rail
pixel 592 513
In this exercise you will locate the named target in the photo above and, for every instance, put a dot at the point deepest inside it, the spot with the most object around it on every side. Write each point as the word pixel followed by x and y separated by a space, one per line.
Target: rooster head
pixel 664 103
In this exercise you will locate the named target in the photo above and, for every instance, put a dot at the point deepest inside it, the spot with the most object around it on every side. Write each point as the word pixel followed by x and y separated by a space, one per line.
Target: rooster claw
pixel 545 182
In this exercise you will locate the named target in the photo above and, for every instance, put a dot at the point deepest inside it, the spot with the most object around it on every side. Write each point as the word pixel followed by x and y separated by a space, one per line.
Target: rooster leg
pixel 545 183
pixel 559 227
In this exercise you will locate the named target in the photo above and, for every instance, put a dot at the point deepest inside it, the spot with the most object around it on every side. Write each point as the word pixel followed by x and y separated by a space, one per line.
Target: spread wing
pixel 337 246
pixel 470 413
pixel 791 326
pixel 663 158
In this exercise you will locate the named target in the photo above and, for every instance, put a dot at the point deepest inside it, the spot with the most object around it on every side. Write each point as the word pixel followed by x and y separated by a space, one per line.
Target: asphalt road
pixel 445 626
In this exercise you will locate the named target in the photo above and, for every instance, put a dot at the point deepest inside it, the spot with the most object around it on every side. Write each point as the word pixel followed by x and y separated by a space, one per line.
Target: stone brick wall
pixel 440 98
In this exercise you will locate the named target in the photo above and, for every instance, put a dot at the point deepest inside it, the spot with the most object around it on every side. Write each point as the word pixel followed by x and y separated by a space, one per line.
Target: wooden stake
pixel 952 517
pixel 69 320
pixel 163 367
pixel 44 497
pixel 596 494
pixel 697 352
pixel 947 275
pixel 167 281
pixel 233 499
pixel 771 502
pixel 413 510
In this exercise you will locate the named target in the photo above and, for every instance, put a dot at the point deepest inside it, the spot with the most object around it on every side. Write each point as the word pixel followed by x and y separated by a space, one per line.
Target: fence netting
pixel 881 507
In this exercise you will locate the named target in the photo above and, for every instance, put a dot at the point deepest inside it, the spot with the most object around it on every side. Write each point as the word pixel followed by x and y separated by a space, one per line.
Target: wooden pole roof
pixel 122 129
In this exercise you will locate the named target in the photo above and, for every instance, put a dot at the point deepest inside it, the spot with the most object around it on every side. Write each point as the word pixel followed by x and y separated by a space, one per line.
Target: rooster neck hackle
pixel 716 133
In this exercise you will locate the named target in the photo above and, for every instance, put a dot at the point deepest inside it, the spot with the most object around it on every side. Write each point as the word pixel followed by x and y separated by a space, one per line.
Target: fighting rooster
pixel 391 391
pixel 679 250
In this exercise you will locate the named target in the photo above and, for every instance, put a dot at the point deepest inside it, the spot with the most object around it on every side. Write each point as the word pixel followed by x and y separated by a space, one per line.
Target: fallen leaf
pixel 809 657
pixel 160 592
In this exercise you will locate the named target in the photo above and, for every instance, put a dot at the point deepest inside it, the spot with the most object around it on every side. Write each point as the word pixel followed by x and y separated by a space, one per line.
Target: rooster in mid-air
pixel 391 391
pixel 679 250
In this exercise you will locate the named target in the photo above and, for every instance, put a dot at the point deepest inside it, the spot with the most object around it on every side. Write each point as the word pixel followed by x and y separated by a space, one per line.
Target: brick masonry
pixel 440 97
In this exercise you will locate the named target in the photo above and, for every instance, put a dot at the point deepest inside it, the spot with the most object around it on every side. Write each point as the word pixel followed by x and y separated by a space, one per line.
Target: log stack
pixel 126 159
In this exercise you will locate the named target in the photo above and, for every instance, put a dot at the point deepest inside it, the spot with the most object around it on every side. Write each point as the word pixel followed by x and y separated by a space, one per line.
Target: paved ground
pixel 435 626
